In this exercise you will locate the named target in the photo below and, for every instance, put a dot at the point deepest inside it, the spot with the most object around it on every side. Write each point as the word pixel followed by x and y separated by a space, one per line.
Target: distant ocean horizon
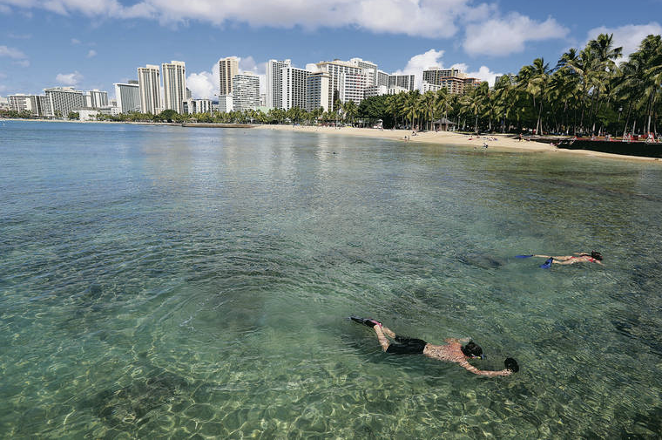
pixel 162 281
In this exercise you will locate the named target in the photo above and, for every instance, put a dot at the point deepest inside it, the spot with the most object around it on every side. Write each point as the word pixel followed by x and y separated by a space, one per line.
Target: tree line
pixel 585 92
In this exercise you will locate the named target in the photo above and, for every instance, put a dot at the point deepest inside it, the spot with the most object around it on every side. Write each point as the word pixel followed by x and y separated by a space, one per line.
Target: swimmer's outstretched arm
pixel 465 364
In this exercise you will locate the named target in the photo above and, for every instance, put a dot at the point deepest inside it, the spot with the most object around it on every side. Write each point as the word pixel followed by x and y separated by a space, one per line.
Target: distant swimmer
pixel 452 351
pixel 592 257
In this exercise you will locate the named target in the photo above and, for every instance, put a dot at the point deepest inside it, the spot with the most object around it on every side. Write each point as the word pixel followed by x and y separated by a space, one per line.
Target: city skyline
pixel 103 43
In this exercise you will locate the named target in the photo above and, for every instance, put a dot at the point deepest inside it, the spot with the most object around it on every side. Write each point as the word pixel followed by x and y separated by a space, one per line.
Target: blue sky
pixel 94 43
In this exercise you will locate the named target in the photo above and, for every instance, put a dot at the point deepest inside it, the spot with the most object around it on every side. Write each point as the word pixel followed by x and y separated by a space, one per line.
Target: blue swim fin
pixel 523 256
pixel 547 264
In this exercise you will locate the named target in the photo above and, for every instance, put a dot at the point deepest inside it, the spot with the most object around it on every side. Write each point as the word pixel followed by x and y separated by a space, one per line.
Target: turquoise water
pixel 172 282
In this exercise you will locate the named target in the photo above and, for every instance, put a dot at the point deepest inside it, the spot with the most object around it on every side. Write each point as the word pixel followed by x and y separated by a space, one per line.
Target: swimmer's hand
pixel 511 365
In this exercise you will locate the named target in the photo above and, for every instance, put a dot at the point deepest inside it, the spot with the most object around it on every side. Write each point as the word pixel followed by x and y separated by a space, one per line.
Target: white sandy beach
pixel 495 142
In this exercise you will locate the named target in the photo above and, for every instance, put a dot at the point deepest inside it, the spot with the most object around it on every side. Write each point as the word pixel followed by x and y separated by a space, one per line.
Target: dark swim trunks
pixel 406 346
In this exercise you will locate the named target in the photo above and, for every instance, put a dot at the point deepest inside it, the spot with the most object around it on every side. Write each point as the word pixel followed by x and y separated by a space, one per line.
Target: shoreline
pixel 495 142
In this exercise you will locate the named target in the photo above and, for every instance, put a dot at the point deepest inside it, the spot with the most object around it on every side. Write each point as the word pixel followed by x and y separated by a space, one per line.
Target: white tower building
pixel 64 100
pixel 128 97
pixel 273 86
pixel 148 86
pixel 293 88
pixel 337 69
pixel 246 91
pixel 228 68
pixel 96 99
pixel 318 91
pixel 175 88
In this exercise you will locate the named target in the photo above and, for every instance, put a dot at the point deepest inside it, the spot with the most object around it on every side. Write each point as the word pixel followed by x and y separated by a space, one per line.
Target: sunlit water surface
pixel 172 282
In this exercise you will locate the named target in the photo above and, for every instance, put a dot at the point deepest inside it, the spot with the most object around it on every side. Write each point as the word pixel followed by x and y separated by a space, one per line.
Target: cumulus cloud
pixel 418 63
pixel 206 84
pixel 485 74
pixel 428 18
pixel 92 53
pixel 69 79
pixel 434 58
pixel 74 41
pixel 487 30
pixel 628 37
pixel 507 35
pixel 202 85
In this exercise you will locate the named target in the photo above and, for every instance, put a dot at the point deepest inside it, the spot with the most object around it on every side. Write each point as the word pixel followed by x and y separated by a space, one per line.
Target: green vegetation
pixel 586 92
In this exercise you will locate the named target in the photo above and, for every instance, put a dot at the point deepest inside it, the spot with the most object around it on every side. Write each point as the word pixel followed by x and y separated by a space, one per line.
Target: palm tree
pixel 428 101
pixel 443 104
pixel 350 111
pixel 475 102
pixel 411 106
pixel 534 79
pixel 641 80
pixel 582 66
pixel 505 96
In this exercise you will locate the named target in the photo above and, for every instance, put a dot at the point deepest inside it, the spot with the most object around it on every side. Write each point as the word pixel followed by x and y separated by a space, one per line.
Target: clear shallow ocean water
pixel 194 283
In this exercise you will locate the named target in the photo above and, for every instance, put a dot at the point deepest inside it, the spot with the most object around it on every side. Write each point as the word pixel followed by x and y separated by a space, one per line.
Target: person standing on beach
pixel 452 351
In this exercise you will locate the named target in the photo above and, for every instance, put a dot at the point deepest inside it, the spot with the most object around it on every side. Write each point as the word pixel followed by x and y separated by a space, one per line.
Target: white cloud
pixel 206 84
pixel 12 53
pixel 628 37
pixel 74 41
pixel 69 79
pixel 433 58
pixel 485 74
pixel 504 36
pixel 418 63
pixel 18 57
pixel 202 85
pixel 428 18
pixel 92 53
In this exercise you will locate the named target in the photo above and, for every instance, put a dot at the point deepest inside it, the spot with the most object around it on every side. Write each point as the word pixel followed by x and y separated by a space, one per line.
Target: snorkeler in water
pixel 452 351
pixel 592 257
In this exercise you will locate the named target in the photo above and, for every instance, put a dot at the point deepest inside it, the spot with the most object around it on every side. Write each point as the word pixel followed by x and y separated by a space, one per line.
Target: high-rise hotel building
pixel 246 91
pixel 318 91
pixel 338 70
pixel 175 88
pixel 228 68
pixel 370 70
pixel 293 88
pixel 274 82
pixel 64 100
pixel 96 99
pixel 149 90
pixel 128 97
pixel 405 81
pixel 455 81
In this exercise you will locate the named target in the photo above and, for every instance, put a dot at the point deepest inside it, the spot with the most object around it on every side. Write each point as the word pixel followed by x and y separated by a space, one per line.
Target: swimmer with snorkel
pixel 592 257
pixel 452 351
